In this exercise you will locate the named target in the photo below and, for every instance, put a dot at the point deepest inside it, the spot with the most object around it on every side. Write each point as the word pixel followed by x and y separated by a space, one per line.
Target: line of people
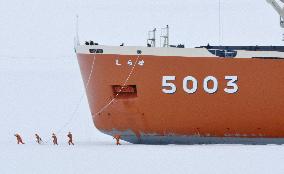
pixel 40 141
pixel 117 137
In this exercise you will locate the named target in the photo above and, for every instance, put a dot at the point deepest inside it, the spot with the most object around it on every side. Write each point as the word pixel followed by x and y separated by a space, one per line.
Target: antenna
pixel 165 36
pixel 77 41
pixel 151 41
pixel 220 24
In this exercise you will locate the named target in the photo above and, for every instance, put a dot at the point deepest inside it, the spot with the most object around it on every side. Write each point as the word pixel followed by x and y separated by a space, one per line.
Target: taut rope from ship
pixel 81 98
pixel 87 85
pixel 73 114
pixel 125 82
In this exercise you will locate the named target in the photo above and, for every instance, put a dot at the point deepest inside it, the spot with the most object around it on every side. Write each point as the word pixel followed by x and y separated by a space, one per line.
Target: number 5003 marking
pixel 168 86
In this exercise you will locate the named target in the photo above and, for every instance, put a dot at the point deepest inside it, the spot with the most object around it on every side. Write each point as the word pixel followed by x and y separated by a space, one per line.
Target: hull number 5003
pixel 190 84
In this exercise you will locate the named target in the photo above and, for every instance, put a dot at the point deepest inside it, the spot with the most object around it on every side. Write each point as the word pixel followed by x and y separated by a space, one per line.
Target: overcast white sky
pixel 41 95
pixel 47 28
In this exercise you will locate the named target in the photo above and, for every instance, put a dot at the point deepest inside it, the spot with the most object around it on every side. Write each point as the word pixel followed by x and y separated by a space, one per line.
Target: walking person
pixel 70 137
pixel 19 139
pixel 54 139
pixel 38 139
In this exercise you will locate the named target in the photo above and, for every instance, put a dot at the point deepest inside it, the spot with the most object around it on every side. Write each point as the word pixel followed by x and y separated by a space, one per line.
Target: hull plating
pixel 255 113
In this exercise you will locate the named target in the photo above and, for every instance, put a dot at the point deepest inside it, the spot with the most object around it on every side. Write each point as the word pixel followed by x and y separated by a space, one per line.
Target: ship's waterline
pixel 157 139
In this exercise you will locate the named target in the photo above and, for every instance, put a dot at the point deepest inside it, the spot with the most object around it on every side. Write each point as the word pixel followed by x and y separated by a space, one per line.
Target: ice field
pixel 39 96
pixel 41 85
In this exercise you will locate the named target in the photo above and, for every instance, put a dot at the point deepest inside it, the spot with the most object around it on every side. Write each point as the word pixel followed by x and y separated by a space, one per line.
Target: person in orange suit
pixel 19 139
pixel 38 139
pixel 54 139
pixel 70 141
pixel 117 138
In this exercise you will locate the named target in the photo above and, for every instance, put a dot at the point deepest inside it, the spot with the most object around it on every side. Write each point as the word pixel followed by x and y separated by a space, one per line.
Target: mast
pixel 165 36
pixel 277 7
pixel 151 41
pixel 76 40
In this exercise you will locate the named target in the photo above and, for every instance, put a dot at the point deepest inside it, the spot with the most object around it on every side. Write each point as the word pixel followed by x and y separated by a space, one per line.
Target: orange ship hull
pixel 253 114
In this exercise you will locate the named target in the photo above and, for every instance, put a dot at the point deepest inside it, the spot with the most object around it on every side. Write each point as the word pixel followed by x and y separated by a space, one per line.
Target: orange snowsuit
pixel 117 138
pixel 19 139
pixel 54 139
pixel 38 139
pixel 70 141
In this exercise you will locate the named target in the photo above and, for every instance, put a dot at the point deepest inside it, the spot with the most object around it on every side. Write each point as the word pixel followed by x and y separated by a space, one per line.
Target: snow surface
pixel 104 157
pixel 40 84
pixel 39 95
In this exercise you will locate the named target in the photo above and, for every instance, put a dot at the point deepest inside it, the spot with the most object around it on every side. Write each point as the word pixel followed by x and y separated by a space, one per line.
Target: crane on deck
pixel 280 10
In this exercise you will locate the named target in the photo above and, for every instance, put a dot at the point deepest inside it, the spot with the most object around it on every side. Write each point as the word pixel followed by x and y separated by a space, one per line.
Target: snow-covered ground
pixel 40 94
pixel 104 157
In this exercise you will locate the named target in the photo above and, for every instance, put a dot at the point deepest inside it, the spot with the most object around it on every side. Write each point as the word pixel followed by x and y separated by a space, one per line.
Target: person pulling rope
pixel 38 139
pixel 19 139
pixel 54 139
pixel 70 137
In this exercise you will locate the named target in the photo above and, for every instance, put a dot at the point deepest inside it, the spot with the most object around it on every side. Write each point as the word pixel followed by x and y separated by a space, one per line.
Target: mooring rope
pixel 73 114
pixel 81 98
pixel 125 82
